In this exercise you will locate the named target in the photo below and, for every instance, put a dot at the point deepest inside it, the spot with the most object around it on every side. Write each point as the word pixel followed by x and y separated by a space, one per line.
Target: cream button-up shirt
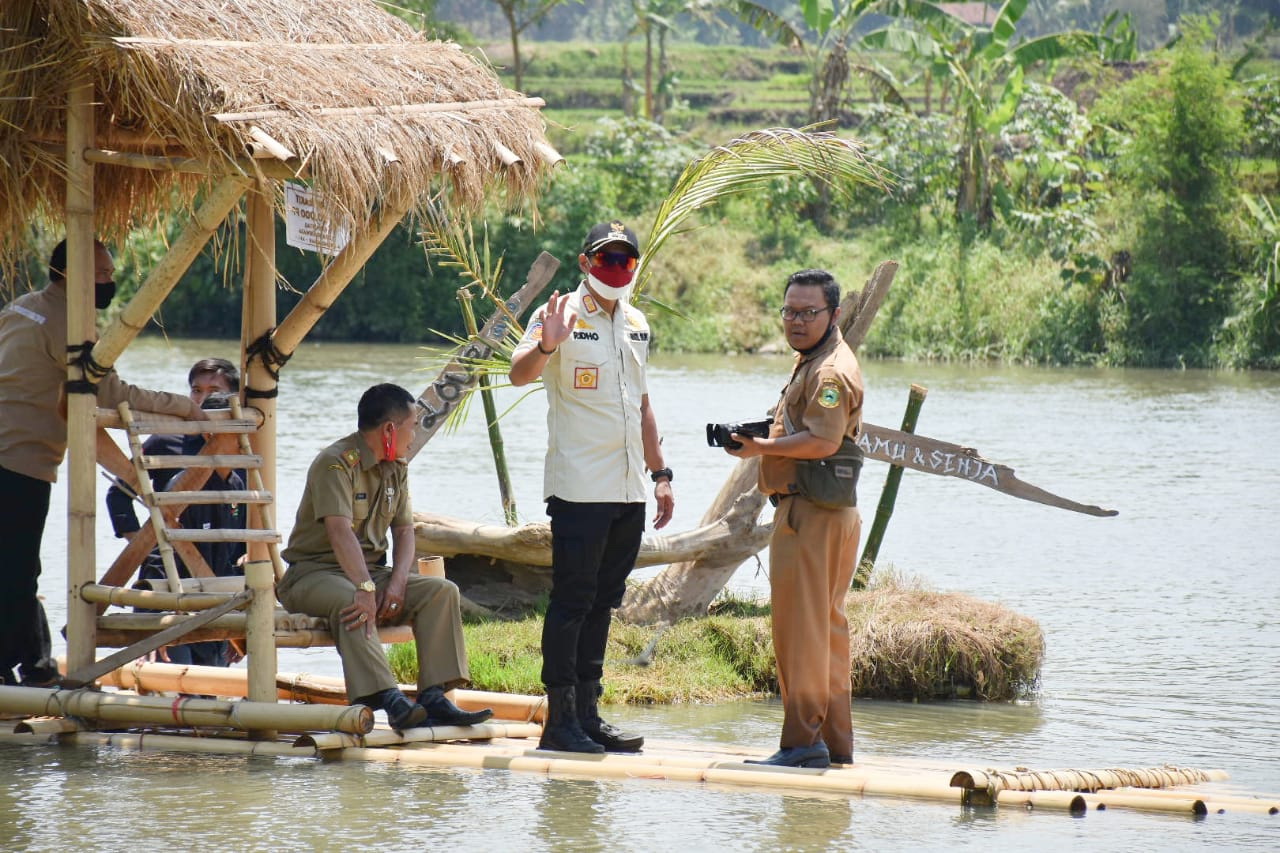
pixel 595 383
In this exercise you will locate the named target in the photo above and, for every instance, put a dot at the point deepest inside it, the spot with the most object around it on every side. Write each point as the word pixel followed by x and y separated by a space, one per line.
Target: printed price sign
pixel 303 226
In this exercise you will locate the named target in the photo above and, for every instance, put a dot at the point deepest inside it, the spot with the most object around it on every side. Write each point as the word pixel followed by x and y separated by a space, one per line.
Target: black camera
pixel 721 435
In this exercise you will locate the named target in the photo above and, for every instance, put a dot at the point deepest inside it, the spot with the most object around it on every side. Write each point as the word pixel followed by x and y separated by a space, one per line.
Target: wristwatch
pixel 367 586
pixel 660 473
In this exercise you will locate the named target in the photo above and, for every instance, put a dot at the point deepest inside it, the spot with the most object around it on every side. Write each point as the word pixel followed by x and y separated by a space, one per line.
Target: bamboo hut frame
pixel 121 113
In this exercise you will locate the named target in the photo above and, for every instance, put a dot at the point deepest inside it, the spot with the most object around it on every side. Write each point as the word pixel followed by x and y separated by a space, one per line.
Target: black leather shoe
pixel 841 759
pixel 403 714
pixel 798 756
pixel 441 712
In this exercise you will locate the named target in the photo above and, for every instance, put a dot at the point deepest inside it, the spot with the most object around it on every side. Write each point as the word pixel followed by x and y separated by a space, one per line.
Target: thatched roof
pixel 342 85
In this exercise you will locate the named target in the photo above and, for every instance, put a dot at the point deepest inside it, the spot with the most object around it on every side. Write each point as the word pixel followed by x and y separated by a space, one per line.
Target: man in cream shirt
pixel 591 347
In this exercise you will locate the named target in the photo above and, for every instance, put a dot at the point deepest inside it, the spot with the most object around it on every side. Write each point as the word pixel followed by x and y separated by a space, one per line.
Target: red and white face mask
pixel 611 273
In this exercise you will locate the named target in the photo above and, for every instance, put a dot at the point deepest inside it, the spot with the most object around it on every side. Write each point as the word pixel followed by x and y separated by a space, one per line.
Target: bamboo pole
pixel 259 317
pixel 240 168
pixel 151 600
pixel 113 633
pixel 422 734
pixel 81 406
pixel 158 521
pixel 338 274
pixel 218 419
pixel 491 419
pixel 265 512
pixel 182 743
pixel 888 496
pixel 46 726
pixel 1068 801
pixel 382 110
pixel 301 687
pixel 260 635
pixel 164 275
pixel 184 711
pixel 270 145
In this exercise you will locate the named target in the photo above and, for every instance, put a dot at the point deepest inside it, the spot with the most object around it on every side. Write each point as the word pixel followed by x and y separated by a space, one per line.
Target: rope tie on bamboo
pixel 81 355
pixel 264 349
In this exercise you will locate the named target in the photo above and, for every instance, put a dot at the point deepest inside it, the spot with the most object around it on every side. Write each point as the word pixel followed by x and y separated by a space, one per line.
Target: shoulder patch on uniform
pixel 829 396
pixel 589 302
pixel 351 457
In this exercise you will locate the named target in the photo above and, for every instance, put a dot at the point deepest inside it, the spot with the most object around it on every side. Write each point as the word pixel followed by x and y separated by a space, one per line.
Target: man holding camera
pixel 813 551
pixel 590 347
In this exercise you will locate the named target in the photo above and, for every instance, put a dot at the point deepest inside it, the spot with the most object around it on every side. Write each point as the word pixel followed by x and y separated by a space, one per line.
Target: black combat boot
pixel 610 737
pixel 562 730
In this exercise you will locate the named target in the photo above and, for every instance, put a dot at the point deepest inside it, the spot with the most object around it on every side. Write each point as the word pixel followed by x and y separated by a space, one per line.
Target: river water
pixel 1161 625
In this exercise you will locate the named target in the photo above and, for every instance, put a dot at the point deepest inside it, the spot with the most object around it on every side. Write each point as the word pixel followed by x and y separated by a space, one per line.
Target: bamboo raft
pixel 314 721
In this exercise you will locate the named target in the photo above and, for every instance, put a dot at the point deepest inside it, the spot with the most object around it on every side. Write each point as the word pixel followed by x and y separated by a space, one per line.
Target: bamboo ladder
pixel 157 502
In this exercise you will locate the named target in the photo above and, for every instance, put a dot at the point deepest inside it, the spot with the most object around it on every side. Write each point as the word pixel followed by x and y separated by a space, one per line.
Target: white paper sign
pixel 303 227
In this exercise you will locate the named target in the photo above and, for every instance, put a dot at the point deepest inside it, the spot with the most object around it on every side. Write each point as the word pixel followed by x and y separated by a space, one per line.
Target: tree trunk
pixel 687 588
pixel 648 72
pixel 516 65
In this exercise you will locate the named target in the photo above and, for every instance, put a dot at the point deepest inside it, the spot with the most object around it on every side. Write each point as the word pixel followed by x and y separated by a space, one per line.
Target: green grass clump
pixel 696 660
pixel 908 642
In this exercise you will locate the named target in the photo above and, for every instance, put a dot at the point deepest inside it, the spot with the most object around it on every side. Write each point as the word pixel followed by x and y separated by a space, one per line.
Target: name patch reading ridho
pixel 829 396
pixel 585 378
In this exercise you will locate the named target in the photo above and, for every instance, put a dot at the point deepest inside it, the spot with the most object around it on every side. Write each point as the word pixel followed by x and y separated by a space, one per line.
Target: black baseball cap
pixel 605 233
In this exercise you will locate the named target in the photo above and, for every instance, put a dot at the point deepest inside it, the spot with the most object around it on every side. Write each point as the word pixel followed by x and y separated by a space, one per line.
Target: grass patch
pixel 908 642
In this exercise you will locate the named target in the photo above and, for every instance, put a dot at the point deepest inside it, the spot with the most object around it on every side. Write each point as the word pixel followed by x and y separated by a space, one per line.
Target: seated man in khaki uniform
pixel 357 489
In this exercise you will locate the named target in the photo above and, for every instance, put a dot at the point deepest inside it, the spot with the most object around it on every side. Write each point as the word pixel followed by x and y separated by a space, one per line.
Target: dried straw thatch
pixel 369 107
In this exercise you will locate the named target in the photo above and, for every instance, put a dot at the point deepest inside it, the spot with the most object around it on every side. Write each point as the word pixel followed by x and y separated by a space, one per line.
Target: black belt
pixel 775 498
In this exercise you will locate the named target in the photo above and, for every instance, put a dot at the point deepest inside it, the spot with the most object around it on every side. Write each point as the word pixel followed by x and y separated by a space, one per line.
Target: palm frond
pixel 749 163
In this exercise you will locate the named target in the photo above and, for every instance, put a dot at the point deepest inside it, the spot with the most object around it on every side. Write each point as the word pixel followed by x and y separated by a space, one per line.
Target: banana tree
pixel 830 69
pixel 985 67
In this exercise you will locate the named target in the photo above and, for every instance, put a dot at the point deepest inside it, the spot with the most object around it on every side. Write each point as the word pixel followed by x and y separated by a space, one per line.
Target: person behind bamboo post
pixel 357 488
pixel 207 376
pixel 33 439
pixel 814 548
pixel 590 347
pixel 226 559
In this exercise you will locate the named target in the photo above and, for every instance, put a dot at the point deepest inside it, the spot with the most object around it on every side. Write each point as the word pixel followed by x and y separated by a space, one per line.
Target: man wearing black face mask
pixel 33 439
pixel 590 347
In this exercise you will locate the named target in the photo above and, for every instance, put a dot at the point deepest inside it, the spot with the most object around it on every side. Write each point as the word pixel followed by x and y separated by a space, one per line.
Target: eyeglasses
pixel 806 315
pixel 613 259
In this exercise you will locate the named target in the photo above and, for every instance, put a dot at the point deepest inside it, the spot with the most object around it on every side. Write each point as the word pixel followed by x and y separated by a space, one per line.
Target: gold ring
pixel 362 617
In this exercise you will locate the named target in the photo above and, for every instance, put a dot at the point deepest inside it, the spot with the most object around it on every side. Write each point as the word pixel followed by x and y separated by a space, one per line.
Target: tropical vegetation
pixel 1063 183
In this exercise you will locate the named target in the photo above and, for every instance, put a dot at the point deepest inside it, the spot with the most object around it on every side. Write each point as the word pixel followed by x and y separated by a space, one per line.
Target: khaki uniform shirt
pixel 824 397
pixel 33 369
pixel 347 479
pixel 595 383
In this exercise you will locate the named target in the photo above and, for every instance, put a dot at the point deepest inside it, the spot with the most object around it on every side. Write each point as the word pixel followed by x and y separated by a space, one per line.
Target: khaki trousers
pixel 430 606
pixel 812 557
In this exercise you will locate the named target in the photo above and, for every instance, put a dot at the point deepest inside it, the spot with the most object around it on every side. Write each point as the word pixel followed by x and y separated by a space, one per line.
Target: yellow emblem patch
pixel 589 303
pixel 829 396
pixel 582 324
pixel 351 457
